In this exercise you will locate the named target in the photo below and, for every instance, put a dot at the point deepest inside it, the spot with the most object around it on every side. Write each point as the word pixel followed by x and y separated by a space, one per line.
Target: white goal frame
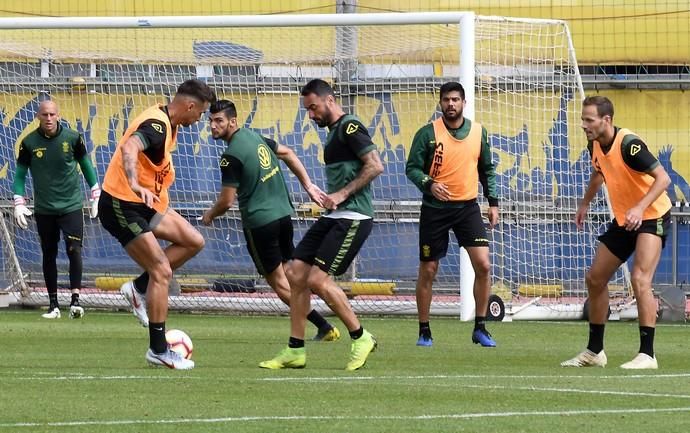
pixel 466 67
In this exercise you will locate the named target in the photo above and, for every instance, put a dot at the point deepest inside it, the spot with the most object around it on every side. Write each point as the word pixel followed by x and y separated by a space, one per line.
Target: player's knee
pixel 162 275
pixel 482 269
pixel 289 272
pixel 594 282
pixel 73 249
pixel 161 271
pixel 640 280
pixel 319 291
pixel 196 242
pixel 316 282
pixel 293 274
pixel 314 285
pixel 428 269
pixel 283 292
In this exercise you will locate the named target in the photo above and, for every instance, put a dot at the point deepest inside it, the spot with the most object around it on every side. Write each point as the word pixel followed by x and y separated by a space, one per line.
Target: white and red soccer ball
pixel 179 342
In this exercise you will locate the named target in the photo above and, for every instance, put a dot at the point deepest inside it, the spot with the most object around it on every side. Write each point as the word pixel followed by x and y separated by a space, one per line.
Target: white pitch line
pixel 71 378
pixel 468 376
pixel 351 418
pixel 44 376
pixel 509 387
pixel 576 391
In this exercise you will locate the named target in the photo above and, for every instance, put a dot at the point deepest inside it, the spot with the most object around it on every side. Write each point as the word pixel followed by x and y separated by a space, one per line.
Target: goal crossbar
pixel 315 20
pixel 521 81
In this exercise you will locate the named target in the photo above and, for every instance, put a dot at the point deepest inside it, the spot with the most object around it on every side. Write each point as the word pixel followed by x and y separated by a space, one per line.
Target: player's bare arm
pixel 225 200
pixel 634 215
pixel 130 153
pixel 372 167
pixel 595 183
pixel 289 157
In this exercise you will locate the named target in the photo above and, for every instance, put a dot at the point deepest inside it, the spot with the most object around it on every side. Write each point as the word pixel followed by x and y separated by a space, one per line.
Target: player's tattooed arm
pixel 130 154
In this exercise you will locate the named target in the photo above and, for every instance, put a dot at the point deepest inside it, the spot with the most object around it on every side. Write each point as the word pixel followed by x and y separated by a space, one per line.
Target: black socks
pixel 596 338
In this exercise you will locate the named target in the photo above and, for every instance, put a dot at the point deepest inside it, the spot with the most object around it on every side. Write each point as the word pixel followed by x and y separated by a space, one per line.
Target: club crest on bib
pixel 351 128
pixel 264 156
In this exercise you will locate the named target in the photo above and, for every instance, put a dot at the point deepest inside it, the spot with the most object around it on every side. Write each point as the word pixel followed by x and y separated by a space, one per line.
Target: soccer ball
pixel 180 342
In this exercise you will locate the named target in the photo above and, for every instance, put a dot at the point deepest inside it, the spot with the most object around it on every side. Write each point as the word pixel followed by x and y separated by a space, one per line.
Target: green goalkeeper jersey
pixel 52 162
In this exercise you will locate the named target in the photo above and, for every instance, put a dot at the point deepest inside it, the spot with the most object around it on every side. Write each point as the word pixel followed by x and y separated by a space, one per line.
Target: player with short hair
pixel 636 184
pixel 51 152
pixel 250 172
pixel 134 208
pixel 448 159
pixel 332 242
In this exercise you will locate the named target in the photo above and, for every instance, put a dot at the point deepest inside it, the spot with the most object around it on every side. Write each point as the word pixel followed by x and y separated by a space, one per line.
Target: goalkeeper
pixel 250 171
pixel 448 158
pixel 52 153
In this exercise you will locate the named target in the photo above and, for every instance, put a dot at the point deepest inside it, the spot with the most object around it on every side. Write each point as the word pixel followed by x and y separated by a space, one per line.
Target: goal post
pixel 11 276
pixel 466 77
pixel 521 81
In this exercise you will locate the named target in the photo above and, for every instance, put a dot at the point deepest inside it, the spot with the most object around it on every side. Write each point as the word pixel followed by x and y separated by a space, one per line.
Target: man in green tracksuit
pixel 51 153
pixel 448 159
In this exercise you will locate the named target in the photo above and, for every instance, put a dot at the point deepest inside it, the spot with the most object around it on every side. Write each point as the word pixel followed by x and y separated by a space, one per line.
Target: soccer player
pixel 333 241
pixel 134 208
pixel 636 185
pixel 447 160
pixel 52 153
pixel 249 171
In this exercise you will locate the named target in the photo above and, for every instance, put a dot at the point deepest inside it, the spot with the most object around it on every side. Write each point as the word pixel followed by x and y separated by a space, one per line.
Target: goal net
pixel 386 69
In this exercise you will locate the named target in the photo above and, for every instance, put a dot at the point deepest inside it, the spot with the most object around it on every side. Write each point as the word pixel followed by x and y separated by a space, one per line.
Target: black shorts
pixel 434 224
pixel 49 227
pixel 125 219
pixel 332 243
pixel 622 242
pixel 270 245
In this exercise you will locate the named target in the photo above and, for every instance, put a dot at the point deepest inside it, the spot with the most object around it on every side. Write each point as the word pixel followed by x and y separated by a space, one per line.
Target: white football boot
pixel 168 359
pixel 587 358
pixel 137 301
pixel 52 314
pixel 641 362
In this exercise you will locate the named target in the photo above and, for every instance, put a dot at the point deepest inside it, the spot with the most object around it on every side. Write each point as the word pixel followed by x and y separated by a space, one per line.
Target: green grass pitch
pixel 90 376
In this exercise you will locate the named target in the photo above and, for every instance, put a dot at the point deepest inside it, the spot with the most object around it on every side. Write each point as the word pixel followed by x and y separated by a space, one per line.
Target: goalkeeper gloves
pixel 95 195
pixel 21 212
